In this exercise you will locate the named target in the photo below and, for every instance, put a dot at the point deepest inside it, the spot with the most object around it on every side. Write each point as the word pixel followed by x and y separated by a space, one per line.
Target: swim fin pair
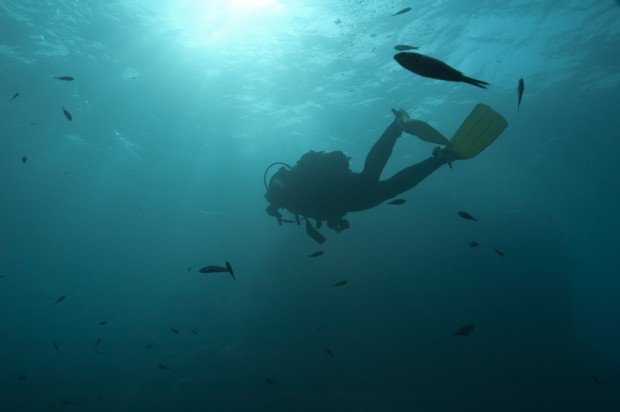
pixel 479 130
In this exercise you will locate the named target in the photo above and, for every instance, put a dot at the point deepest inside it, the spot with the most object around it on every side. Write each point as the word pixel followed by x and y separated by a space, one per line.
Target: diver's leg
pixel 412 175
pixel 380 152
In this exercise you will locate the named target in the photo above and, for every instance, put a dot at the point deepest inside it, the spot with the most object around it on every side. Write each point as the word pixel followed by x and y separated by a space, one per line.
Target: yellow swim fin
pixel 480 129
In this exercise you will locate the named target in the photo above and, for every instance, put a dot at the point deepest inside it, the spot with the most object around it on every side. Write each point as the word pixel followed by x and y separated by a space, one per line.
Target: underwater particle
pixel 427 66
pixel 520 89
pixel 596 380
pixel 270 381
pixel 403 11
pixel 341 283
pixel 464 331
pixel 466 216
pixel 329 352
pixel 396 202
pixel 499 252
pixel 317 254
pixel 103 322
pixel 98 342
pixel 163 367
pixel 175 331
pixel 405 47
pixel 218 269
pixel 473 243
pixel 24 159
pixel 60 299
pixel 66 113
pixel 14 96
pixel 21 377
pixel 65 78
pixel 55 346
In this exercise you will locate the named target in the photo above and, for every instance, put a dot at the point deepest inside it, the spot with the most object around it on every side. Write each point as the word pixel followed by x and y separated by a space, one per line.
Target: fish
pixel 317 253
pixel 150 346
pixel 175 331
pixel 596 380
pixel 464 331
pixel 405 47
pixel 67 403
pixel 189 269
pixel 403 11
pixel 341 283
pixel 66 113
pixel 328 352
pixel 218 269
pixel 14 96
pixel 21 377
pixel 499 252
pixel 65 78
pixel 98 352
pixel 473 243
pixel 162 366
pixel 397 202
pixel 466 216
pixel 60 299
pixel 24 159
pixel 56 346
pixel 435 69
pixel 98 341
pixel 520 90
pixel 337 21
pixel 270 381
pixel 103 322
pixel 194 332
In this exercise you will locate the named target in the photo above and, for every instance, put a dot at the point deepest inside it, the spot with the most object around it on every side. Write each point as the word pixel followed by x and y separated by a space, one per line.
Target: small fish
pixel 270 381
pixel 328 352
pixel 427 66
pixel 473 243
pixel 60 299
pixel 405 47
pixel 103 322
pixel 397 202
pixel 68 403
pixel 189 269
pixel 24 159
pixel 98 352
pixel 403 11
pixel 194 332
pixel 337 21
pixel 464 331
pixel 466 216
pixel 56 346
pixel 66 113
pixel 150 346
pixel 520 90
pixel 499 252
pixel 596 380
pixel 317 253
pixel 21 377
pixel 14 96
pixel 98 342
pixel 175 331
pixel 162 366
pixel 65 78
pixel 341 283
pixel 218 269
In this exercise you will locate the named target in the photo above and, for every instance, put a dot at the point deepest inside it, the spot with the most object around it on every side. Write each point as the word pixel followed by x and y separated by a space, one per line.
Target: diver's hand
pixel 401 116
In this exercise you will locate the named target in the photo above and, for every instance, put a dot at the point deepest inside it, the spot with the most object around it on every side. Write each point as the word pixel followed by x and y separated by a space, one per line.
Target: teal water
pixel 178 107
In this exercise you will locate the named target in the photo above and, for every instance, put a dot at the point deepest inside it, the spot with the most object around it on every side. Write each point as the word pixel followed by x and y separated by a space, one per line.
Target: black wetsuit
pixel 323 195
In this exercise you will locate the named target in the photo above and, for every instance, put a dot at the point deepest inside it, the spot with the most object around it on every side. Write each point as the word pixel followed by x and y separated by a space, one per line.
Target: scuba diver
pixel 322 187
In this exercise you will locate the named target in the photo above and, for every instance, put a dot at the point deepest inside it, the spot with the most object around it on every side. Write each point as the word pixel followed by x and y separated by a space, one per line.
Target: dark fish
pixel 328 352
pixel 218 269
pixel 150 346
pixel 65 78
pixel 397 202
pixel 98 342
pixel 189 269
pixel 56 346
pixel 60 299
pixel 14 96
pixel 317 253
pixel 98 352
pixel 21 377
pixel 175 331
pixel 464 331
pixel 103 322
pixel 520 90
pixel 403 11
pixel 466 216
pixel 162 366
pixel 405 47
pixel 270 381
pixel 341 283
pixel 473 243
pixel 596 380
pixel 66 113
pixel 194 332
pixel 436 69
pixel 24 159
pixel 68 403
pixel 499 252
pixel 338 21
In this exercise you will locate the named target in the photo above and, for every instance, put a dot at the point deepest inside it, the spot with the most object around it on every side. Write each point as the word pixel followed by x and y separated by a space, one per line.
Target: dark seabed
pixel 117 186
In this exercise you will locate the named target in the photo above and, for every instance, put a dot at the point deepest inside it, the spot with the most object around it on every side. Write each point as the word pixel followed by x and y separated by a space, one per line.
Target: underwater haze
pixel 134 138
